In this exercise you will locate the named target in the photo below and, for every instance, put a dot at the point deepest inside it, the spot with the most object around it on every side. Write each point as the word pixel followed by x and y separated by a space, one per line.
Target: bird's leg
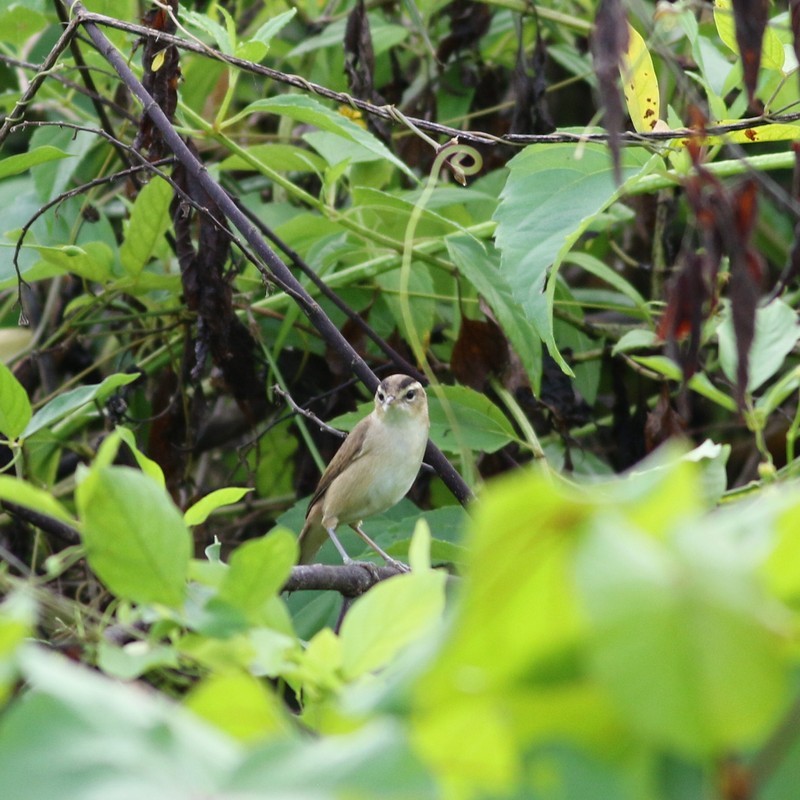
pixel 367 565
pixel 398 565
pixel 338 545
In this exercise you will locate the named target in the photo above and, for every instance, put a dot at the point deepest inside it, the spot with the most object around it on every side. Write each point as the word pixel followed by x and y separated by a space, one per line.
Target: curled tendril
pixel 462 160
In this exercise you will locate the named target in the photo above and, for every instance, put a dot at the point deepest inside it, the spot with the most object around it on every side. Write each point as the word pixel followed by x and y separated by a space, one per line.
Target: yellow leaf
pixel 639 84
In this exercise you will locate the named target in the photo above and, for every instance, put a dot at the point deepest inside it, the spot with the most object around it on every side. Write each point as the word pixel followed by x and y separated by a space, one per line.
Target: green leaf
pixel 310 111
pixel 145 464
pixel 477 422
pixel 280 157
pixel 553 193
pixel 199 512
pixel 92 260
pixel 682 636
pixel 59 741
pixel 662 365
pixel 479 263
pixel 136 540
pixel 420 294
pixel 13 165
pixel 15 408
pixel 221 36
pixel 63 405
pixel 273 26
pixel 16 490
pixel 240 705
pixel 135 658
pixel 777 332
pixel 17 621
pixel 149 220
pixel 258 570
pixel 388 618
pixel 637 339
pixel 597 268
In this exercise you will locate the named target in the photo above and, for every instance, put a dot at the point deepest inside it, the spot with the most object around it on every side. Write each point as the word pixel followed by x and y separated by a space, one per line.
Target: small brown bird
pixel 372 470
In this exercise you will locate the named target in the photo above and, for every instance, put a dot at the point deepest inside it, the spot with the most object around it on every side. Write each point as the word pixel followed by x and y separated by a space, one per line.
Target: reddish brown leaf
pixel 750 17
pixel 609 43
pixel 688 297
pixel 207 291
pixel 663 422
pixel 161 74
pixel 481 350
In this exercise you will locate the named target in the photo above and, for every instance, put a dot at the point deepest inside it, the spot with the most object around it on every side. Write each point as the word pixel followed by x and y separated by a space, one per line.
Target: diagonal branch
pixel 52 58
pixel 280 272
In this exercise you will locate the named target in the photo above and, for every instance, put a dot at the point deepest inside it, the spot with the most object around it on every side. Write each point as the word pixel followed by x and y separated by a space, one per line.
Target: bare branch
pixel 281 274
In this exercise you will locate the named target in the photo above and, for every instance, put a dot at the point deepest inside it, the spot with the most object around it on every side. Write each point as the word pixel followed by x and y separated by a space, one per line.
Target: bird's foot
pixel 398 565
pixel 373 568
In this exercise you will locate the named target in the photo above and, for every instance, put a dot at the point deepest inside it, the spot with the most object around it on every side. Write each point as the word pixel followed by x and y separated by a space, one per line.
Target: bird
pixel 372 470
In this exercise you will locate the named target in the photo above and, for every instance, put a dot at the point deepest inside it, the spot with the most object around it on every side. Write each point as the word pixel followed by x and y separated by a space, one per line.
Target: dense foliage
pixel 575 221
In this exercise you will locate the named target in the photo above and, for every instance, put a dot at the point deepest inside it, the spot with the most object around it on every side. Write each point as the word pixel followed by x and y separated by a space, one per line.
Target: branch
pixel 387 112
pixel 350 580
pixel 37 80
pixel 281 274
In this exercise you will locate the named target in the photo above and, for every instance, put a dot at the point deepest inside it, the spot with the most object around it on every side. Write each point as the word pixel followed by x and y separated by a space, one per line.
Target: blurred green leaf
pixel 135 538
pixel 388 617
pixel 258 570
pixel 200 511
pixel 15 408
pixel 682 636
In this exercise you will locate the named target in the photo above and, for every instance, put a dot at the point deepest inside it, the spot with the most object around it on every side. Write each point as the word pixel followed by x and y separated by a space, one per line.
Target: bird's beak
pixel 390 398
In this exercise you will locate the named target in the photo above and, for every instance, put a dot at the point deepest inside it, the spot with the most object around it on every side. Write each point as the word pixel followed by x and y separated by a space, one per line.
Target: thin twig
pixel 310 415
pixel 52 59
pixel 279 271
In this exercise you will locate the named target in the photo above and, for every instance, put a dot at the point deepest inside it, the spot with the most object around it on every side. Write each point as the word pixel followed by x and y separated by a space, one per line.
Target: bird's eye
pixel 381 396
pixel 410 394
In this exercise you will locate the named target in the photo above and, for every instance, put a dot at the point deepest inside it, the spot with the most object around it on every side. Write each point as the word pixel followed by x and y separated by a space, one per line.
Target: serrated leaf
pixel 273 26
pixel 199 512
pixel 15 407
pixel 479 263
pixel 211 27
pixel 135 538
pixel 552 194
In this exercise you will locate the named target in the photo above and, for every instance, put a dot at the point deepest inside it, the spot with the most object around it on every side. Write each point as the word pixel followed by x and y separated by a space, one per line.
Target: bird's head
pixel 401 397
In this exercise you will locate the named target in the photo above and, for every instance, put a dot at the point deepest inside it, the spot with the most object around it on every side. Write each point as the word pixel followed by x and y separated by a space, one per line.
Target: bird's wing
pixel 351 450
